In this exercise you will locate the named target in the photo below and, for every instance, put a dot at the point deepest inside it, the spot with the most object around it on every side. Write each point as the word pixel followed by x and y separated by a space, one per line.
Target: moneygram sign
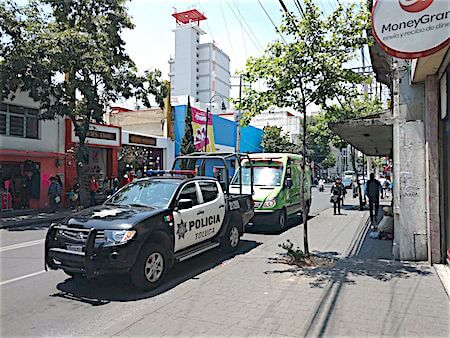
pixel 410 29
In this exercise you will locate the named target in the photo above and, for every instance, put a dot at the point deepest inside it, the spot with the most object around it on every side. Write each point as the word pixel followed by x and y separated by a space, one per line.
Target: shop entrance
pixel 135 160
pixel 20 184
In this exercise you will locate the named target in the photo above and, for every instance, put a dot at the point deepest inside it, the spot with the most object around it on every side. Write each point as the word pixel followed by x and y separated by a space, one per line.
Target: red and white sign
pixel 410 29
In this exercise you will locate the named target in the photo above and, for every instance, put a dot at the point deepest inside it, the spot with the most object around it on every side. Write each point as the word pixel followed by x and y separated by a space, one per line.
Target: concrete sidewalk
pixel 253 294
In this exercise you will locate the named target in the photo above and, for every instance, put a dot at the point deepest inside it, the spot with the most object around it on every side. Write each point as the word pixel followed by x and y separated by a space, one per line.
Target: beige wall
pixel 146 121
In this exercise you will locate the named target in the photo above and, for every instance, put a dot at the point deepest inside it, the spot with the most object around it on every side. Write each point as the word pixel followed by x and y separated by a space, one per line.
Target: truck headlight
pixel 114 237
pixel 269 203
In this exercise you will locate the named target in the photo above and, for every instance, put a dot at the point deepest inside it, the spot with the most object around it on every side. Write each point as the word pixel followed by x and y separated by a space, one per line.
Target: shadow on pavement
pixel 346 269
pixel 271 230
pixel 104 289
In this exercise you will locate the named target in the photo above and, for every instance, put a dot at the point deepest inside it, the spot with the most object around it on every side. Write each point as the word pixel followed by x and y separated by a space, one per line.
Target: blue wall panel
pixel 224 132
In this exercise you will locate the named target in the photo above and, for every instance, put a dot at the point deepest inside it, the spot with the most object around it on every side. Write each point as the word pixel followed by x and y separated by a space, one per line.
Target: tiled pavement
pixel 253 295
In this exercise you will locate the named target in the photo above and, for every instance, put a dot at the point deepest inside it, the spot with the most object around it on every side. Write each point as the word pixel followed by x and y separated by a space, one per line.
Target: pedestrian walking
pixel 337 192
pixel 93 188
pixel 74 195
pixel 386 186
pixel 321 185
pixel 373 192
pixel 54 194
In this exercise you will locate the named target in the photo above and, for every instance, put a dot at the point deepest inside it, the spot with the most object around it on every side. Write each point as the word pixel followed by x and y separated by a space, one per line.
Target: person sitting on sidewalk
pixel 373 191
pixel 337 193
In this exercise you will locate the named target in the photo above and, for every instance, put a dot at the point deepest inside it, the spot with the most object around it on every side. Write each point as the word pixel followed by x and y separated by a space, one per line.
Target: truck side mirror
pixel 288 183
pixel 185 203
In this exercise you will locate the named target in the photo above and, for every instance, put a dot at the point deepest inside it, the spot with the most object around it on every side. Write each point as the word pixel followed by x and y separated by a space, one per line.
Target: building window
pixel 19 121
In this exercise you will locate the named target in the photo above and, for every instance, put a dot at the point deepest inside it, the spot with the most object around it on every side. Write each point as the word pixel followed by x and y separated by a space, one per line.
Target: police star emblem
pixel 182 229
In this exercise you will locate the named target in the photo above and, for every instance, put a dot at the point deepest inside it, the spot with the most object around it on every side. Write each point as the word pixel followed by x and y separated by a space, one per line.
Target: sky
pixel 151 43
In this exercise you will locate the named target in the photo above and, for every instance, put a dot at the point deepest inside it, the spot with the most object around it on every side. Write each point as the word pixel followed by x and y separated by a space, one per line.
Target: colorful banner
pixel 199 129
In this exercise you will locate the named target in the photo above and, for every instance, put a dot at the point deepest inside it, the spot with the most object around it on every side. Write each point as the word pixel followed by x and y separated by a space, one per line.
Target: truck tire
pixel 150 267
pixel 231 240
pixel 282 219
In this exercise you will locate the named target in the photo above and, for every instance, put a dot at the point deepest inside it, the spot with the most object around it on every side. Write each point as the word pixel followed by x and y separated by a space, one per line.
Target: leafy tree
pixel 309 68
pixel 187 142
pixel 274 141
pixel 329 161
pixel 70 57
pixel 318 140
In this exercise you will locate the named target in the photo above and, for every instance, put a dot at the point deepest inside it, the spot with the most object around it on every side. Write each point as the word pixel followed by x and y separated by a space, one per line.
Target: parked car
pixel 347 182
pixel 147 226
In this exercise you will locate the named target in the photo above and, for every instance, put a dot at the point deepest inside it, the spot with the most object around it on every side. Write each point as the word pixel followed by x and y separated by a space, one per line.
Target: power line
pixel 243 28
pixel 248 26
pixel 273 23
pixel 228 32
pixel 207 24
pixel 300 8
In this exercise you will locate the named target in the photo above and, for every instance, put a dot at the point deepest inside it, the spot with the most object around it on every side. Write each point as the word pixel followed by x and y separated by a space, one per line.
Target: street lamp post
pixel 208 109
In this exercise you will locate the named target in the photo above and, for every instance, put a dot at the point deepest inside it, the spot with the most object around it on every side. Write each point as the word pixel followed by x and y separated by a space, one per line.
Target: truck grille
pixel 80 236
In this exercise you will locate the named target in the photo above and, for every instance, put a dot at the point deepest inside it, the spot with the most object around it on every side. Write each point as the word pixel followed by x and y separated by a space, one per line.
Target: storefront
pixel 141 152
pixel 25 178
pixel 104 142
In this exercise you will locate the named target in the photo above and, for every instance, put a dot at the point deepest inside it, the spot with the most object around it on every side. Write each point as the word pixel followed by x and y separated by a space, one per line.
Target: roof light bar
pixel 171 172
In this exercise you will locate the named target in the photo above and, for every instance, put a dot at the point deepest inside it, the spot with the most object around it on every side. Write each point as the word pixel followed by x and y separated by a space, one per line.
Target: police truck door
pixel 214 206
pixel 184 219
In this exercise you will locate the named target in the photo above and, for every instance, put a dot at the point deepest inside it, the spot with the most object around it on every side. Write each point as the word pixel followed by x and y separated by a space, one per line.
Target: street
pixel 35 302
pixel 240 294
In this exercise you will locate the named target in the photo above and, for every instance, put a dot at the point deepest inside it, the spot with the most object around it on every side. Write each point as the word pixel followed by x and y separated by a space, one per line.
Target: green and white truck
pixel 277 186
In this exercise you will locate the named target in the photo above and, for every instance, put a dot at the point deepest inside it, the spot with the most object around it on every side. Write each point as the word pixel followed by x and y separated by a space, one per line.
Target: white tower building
pixel 200 70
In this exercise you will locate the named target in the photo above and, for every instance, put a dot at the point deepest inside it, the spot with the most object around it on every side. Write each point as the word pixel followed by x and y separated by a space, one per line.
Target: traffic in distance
pixel 150 224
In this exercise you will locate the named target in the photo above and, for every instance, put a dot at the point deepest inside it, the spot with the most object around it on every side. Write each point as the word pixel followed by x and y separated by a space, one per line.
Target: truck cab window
pixel 189 192
pixel 209 191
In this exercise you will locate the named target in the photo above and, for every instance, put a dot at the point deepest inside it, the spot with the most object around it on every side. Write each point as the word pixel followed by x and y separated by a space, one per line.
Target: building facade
pixel 200 70
pixel 415 134
pixel 288 122
pixel 31 151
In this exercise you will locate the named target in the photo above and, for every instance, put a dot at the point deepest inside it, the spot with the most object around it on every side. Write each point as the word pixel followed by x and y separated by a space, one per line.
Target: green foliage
pixel 296 254
pixel 329 161
pixel 187 143
pixel 70 57
pixel 318 140
pixel 310 67
pixel 274 141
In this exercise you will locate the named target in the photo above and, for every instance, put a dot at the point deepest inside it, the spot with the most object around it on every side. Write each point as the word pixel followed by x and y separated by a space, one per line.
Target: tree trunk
pixel 302 187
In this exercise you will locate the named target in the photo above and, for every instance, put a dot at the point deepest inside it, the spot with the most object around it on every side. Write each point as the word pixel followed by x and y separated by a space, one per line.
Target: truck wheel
pixel 282 219
pixel 230 241
pixel 150 268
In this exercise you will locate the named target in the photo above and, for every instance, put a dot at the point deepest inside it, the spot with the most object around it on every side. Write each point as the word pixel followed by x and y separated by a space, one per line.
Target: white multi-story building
pixel 288 122
pixel 199 70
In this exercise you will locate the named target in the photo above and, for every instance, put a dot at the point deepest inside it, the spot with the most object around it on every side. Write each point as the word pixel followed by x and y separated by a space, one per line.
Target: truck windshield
pixel 154 194
pixel 262 175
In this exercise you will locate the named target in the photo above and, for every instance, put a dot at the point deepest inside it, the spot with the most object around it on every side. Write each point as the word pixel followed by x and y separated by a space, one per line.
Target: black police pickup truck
pixel 148 225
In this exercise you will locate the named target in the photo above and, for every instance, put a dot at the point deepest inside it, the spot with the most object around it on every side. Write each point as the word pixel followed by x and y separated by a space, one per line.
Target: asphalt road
pixel 39 303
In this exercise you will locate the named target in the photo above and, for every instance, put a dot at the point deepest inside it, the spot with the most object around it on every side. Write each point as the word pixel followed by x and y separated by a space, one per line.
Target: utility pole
pixel 238 131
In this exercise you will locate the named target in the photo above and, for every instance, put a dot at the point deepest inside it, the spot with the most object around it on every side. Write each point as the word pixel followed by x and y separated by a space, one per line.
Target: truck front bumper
pixel 92 260
pixel 266 218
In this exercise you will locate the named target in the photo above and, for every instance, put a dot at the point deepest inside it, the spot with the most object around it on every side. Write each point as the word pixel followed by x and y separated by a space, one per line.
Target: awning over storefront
pixel 371 134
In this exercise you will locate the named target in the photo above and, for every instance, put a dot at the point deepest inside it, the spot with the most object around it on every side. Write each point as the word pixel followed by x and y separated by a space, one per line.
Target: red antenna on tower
pixel 191 15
